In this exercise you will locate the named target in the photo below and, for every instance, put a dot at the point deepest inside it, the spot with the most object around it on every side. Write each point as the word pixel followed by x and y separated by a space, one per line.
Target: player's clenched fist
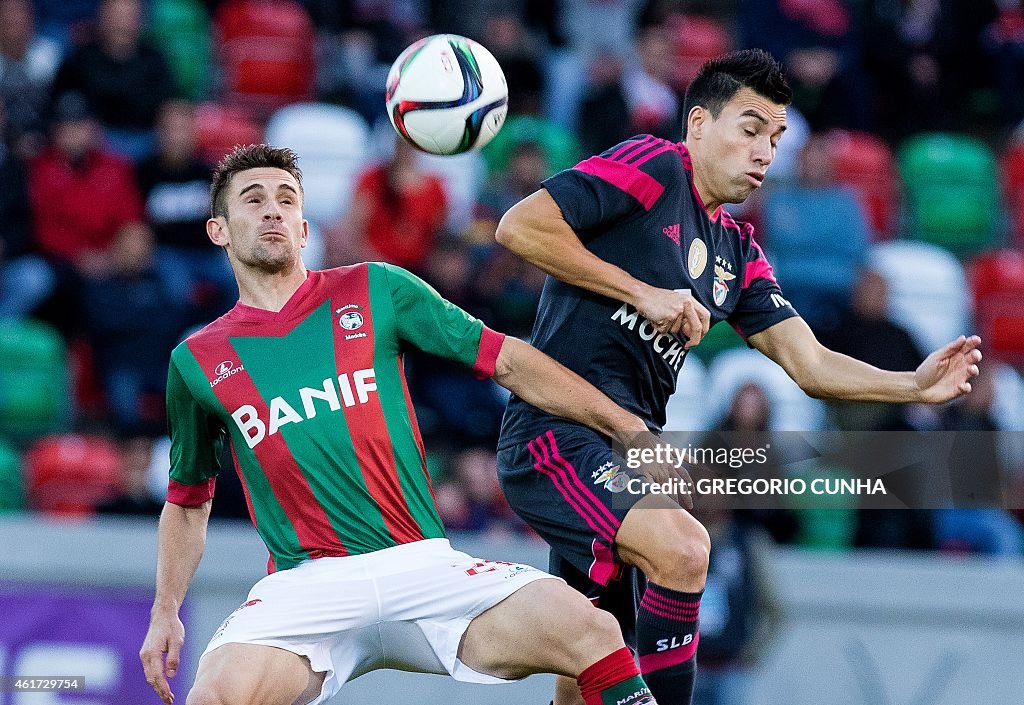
pixel 165 636
pixel 675 311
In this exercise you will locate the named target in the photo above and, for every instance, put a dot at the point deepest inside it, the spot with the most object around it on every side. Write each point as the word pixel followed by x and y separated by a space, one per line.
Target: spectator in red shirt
pixel 397 214
pixel 81 195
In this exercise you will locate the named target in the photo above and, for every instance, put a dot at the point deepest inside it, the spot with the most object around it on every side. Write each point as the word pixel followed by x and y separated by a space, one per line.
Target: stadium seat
pixel 70 474
pixel 928 292
pixel 332 142
pixel 817 238
pixel 220 127
pixel 792 410
pixel 181 30
pixel 561 148
pixel 695 40
pixel 1013 189
pixel 997 283
pixel 866 163
pixel 266 49
pixel 721 337
pixel 952 190
pixel 12 483
pixel 33 380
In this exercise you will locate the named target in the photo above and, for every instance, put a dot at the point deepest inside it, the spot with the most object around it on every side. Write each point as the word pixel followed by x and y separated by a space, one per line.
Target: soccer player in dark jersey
pixel 304 378
pixel 643 260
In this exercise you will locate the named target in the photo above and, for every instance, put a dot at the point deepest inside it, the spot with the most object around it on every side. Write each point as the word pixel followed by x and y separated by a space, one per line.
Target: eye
pixel 749 132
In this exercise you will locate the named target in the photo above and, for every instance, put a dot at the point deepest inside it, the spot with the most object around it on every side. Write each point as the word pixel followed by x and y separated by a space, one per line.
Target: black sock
pixel 666 639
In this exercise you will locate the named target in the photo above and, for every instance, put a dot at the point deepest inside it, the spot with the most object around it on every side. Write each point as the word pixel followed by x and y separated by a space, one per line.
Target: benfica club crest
pixel 720 290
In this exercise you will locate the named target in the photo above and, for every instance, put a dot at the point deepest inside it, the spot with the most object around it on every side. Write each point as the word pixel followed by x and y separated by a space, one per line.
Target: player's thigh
pixel 544 627
pixel 252 674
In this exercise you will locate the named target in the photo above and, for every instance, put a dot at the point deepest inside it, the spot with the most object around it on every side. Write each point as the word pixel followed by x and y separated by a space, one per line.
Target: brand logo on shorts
pixel 225 370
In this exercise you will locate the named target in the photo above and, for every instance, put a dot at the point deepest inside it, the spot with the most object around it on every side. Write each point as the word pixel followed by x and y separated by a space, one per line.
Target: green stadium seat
pixel 721 337
pixel 561 149
pixel 952 190
pixel 12 482
pixel 34 397
pixel 181 30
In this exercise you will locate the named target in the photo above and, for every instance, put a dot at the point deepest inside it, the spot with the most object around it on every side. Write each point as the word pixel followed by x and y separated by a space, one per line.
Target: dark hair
pixel 720 79
pixel 250 156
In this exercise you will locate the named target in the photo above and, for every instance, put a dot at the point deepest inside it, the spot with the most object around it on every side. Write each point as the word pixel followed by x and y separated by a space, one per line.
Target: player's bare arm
pixel 543 382
pixel 181 541
pixel 826 374
pixel 535 229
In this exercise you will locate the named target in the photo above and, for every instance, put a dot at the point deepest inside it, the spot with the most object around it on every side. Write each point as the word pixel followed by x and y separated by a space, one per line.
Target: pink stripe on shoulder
pixel 759 268
pixel 665 147
pixel 625 177
pixel 632 146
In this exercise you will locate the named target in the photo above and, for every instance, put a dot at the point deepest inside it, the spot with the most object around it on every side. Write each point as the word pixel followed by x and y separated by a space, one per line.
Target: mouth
pixel 756 178
pixel 272 235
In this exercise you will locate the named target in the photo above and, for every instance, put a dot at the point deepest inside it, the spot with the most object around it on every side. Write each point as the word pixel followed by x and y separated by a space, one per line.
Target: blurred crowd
pixel 894 214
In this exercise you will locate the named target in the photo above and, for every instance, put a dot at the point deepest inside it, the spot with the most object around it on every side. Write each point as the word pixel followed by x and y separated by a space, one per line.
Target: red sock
pixel 614 680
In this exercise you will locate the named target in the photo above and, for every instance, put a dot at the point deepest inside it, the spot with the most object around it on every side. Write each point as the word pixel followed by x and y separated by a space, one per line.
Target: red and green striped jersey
pixel 314 401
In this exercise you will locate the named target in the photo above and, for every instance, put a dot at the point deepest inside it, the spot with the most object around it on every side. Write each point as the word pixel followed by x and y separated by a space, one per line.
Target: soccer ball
pixel 447 94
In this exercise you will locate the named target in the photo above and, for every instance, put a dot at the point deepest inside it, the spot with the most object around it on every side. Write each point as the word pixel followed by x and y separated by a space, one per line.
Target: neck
pixel 700 182
pixel 268 291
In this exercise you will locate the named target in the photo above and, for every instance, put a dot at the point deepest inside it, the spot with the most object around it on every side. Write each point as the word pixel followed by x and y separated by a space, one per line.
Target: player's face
pixel 264 229
pixel 736 148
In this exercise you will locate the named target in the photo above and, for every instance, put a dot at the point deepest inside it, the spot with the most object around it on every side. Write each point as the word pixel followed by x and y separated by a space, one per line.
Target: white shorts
pixel 404 607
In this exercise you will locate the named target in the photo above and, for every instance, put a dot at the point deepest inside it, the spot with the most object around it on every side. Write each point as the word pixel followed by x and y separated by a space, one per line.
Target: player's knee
pixel 207 694
pixel 598 633
pixel 679 557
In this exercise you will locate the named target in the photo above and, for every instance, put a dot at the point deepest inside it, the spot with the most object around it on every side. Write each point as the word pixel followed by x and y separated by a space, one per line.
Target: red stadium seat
pixel 695 39
pixel 219 128
pixel 70 474
pixel 266 49
pixel 866 163
pixel 997 283
pixel 1013 189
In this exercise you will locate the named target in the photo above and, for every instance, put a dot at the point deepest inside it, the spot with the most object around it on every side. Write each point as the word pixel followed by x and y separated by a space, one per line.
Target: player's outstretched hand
pixel 675 311
pixel 165 636
pixel 946 373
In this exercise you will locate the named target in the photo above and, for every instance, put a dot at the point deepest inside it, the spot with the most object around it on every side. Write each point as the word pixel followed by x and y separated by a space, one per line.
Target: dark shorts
pixel 572 489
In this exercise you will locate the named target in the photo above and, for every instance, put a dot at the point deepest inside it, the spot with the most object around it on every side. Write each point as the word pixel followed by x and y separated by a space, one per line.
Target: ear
pixel 695 121
pixel 305 234
pixel 216 230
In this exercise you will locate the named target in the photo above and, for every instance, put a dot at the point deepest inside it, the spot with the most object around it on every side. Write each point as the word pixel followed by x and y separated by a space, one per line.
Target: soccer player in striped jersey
pixel 643 260
pixel 303 377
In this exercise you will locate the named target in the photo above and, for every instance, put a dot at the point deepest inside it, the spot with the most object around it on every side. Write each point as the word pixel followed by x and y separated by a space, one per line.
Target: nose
pixel 763 152
pixel 272 212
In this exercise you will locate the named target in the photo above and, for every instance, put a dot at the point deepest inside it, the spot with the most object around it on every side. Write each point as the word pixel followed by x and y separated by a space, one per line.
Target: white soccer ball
pixel 446 94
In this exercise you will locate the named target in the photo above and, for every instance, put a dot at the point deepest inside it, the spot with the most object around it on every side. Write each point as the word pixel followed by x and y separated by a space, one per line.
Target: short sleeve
pixel 197 438
pixel 761 303
pixel 434 325
pixel 621 182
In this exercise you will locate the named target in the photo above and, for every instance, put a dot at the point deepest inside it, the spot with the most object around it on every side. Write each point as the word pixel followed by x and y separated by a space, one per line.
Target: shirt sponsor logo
pixel 344 389
pixel 664 344
pixel 225 370
pixel 723 274
pixel 697 258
